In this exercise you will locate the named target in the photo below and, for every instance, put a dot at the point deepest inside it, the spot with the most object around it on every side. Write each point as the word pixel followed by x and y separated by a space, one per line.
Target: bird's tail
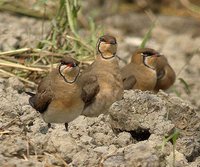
pixel 30 94
pixel 31 99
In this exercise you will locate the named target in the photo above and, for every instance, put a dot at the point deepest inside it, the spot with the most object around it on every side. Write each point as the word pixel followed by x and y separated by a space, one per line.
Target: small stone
pixel 101 149
pixel 123 139
pixel 86 139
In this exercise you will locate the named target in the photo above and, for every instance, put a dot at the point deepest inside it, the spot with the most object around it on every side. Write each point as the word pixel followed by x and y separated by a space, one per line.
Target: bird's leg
pixel 66 126
pixel 49 125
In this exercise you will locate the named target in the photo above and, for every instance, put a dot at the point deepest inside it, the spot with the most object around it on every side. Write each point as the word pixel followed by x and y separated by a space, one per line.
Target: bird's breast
pixel 65 106
pixel 60 111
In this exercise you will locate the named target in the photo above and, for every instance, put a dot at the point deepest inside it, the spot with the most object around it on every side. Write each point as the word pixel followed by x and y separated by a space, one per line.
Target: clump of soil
pixel 131 136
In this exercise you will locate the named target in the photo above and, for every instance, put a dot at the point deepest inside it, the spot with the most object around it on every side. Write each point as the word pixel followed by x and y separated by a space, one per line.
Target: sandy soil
pixel 133 133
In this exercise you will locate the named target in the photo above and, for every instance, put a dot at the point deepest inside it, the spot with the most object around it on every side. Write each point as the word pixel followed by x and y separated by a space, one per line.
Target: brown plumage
pixel 102 82
pixel 58 97
pixel 165 74
pixel 140 73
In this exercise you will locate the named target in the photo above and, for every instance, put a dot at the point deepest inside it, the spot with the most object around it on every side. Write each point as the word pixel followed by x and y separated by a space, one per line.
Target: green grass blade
pixel 186 85
pixel 147 35
pixel 174 136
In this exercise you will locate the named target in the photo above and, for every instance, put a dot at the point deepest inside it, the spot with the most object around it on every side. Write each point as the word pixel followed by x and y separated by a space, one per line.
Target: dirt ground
pixel 133 133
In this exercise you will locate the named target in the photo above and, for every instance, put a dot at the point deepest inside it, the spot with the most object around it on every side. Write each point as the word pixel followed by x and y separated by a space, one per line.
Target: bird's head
pixel 69 69
pixel 107 46
pixel 146 56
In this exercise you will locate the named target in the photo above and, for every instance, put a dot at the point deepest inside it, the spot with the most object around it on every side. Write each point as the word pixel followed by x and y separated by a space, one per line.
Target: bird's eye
pixel 74 65
pixel 146 54
pixel 102 40
pixel 62 62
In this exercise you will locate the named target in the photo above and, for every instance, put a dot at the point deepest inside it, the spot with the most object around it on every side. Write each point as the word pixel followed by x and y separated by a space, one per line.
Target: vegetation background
pixel 72 27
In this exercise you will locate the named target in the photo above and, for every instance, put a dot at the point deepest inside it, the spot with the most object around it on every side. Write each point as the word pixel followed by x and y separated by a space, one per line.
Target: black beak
pixel 113 42
pixel 158 55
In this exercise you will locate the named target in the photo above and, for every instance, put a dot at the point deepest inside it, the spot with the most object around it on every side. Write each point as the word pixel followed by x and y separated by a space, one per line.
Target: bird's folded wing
pixel 41 101
pixel 129 82
pixel 160 74
pixel 44 96
pixel 90 88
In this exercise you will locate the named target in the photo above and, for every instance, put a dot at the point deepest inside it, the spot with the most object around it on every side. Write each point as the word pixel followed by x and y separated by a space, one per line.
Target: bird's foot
pixel 66 126
pixel 49 125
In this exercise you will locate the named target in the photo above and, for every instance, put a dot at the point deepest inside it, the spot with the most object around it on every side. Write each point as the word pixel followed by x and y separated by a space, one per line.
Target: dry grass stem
pixel 14 65
pixel 20 78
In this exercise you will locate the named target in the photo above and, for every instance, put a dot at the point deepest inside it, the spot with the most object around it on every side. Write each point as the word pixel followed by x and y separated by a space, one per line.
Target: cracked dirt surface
pixel 131 136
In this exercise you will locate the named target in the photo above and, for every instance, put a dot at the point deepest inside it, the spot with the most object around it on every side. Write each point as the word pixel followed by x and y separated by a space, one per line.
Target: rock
pixel 123 139
pixel 86 139
pixel 140 111
pixel 101 149
pixel 102 139
pixel 131 136
pixel 143 114
pixel 140 154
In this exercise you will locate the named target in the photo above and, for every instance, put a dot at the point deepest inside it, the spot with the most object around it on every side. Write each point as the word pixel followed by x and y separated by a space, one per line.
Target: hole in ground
pixel 140 134
pixel 193 155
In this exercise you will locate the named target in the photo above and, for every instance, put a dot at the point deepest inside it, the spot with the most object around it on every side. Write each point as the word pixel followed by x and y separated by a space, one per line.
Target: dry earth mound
pixel 131 136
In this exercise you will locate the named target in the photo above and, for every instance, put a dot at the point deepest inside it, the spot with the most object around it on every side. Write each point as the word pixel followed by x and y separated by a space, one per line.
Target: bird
pixel 140 73
pixel 58 96
pixel 101 81
pixel 165 74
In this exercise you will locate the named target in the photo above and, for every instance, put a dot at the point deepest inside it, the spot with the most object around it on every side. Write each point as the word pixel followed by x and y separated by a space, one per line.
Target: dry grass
pixel 31 64
pixel 27 64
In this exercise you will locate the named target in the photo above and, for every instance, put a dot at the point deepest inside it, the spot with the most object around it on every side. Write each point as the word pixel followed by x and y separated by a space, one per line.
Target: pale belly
pixel 62 115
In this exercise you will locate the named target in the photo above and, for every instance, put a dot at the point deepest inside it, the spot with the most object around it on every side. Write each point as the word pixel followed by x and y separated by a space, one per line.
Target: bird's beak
pixel 68 67
pixel 157 55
